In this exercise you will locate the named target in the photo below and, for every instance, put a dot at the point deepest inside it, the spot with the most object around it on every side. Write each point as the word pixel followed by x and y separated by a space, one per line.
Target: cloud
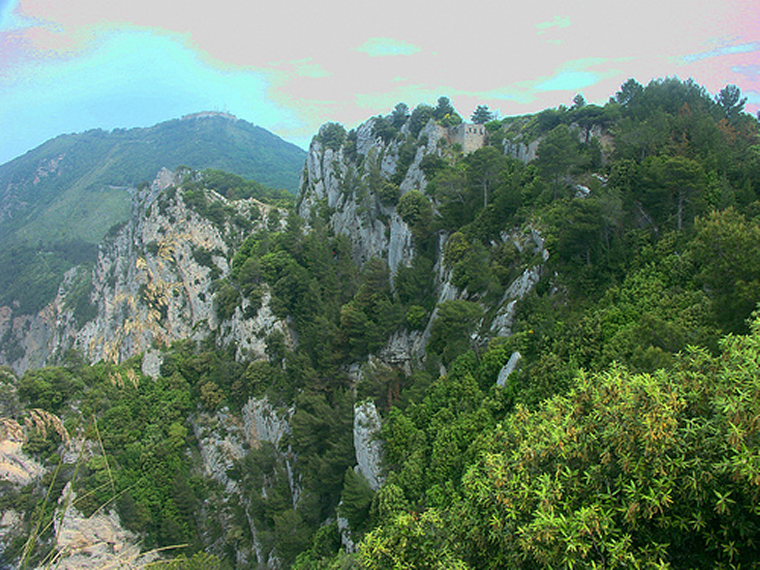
pixel 343 60
pixel 576 75
pixel 568 81
pixel 9 17
pixel 558 22
pixel 379 47
pixel 724 50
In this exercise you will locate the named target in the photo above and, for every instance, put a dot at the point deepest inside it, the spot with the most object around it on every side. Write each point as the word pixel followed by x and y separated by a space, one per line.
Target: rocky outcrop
pixel 348 189
pixel 264 423
pixel 151 284
pixel 15 466
pixel 224 440
pixel 98 541
pixel 221 442
pixel 507 370
pixel 523 151
pixel 367 445
pixel 152 280
pixel 248 334
pixel 530 242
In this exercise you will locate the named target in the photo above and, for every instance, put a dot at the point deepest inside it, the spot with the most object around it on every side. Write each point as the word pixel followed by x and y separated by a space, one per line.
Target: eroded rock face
pixel 349 188
pixel 264 423
pixel 15 466
pixel 248 334
pixel 151 285
pixel 523 151
pixel 98 541
pixel 221 442
pixel 531 242
pixel 152 281
pixel 151 364
pixel 224 440
pixel 367 445
pixel 507 370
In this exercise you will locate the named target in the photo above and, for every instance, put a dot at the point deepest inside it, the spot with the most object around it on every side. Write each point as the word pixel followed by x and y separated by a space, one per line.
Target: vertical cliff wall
pixel 151 283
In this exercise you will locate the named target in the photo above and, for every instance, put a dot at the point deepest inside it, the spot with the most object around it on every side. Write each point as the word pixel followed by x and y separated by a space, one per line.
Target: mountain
pixel 74 187
pixel 59 200
pixel 530 343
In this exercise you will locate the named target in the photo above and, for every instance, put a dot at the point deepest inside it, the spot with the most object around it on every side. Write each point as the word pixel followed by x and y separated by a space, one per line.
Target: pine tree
pixel 482 115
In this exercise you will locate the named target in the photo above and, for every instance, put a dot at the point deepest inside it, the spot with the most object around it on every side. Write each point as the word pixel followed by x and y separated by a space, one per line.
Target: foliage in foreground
pixel 625 470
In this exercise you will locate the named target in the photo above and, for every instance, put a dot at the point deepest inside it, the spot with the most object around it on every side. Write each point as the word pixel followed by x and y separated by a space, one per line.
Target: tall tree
pixel 629 92
pixel 399 115
pixel 481 115
pixel 557 153
pixel 579 101
pixel 444 108
pixel 730 100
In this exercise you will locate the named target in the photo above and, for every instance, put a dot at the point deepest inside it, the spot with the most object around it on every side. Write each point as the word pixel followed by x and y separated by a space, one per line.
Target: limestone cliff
pixel 151 284
pixel 347 182
pixel 354 184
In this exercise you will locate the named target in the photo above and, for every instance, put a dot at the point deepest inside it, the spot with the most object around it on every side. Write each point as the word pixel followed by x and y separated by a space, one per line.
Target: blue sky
pixel 80 64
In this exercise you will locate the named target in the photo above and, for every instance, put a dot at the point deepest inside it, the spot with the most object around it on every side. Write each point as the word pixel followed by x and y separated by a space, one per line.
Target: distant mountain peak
pixel 207 114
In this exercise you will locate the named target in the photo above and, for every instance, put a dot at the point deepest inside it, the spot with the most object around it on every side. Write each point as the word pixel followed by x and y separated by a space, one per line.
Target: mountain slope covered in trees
pixel 43 187
pixel 552 337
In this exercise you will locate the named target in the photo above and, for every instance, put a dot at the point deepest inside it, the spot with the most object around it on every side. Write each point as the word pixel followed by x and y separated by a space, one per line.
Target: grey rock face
pixel 249 334
pixel 520 287
pixel 523 151
pixel 151 364
pixel 349 190
pixel 98 541
pixel 366 443
pixel 508 368
pixel 151 285
pixel 265 423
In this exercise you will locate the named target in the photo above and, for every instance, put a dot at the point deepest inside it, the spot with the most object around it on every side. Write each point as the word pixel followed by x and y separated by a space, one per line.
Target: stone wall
pixel 470 136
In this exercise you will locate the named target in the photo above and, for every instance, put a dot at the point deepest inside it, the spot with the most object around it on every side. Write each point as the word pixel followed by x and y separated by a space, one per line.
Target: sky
pixel 68 66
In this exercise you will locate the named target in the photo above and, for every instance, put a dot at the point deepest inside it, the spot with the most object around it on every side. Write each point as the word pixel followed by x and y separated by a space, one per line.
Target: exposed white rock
pixel 249 334
pixel 504 319
pixel 523 284
pixel 400 244
pixel 15 466
pixel 367 446
pixel 96 542
pixel 531 240
pixel 518 289
pixel 265 423
pixel 404 348
pixel 220 441
pixel 508 368
pixel 375 229
pixel 11 525
pixel 345 535
pixel 415 178
pixel 525 152
pixel 151 364
pixel 78 450
pixel 365 139
pixel 224 439
pixel 150 285
pixel 582 191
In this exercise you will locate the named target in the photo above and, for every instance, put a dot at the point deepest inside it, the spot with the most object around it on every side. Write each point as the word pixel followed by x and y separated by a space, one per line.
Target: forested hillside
pixel 535 348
